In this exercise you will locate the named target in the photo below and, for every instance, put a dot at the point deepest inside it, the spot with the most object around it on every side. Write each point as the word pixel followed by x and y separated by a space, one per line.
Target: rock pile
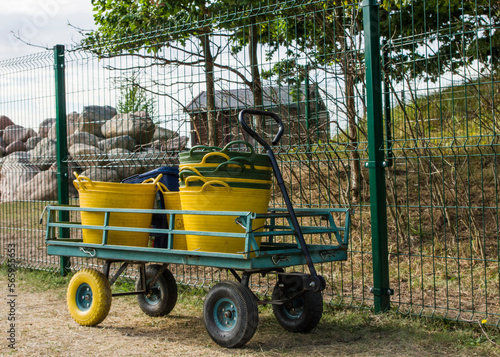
pixel 102 144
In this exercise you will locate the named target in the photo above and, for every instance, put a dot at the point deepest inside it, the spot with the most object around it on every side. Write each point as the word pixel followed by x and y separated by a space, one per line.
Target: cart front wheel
pixel 162 297
pixel 300 314
pixel 230 313
pixel 89 297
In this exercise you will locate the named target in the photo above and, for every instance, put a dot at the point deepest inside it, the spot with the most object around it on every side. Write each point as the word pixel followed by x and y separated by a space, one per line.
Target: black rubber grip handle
pixel 253 134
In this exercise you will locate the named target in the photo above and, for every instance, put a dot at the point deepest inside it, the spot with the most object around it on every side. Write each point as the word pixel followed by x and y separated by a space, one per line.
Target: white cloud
pixel 41 22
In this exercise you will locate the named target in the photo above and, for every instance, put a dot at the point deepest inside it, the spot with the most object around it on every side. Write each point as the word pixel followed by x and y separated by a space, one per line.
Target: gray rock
pixel 15 172
pixel 120 142
pixel 44 154
pixel 174 144
pixel 125 163
pixel 15 133
pixel 71 126
pixel 163 134
pixel 5 122
pixel 43 187
pixel 103 174
pixel 87 155
pixel 32 142
pixel 2 143
pixel 83 138
pixel 93 117
pixel 15 146
pixel 151 159
pixel 45 126
pixel 72 167
pixel 136 125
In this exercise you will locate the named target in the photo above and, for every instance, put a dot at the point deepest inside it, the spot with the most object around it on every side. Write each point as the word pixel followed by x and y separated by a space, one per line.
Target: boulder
pixel 2 151
pixel 15 172
pixel 103 174
pixel 15 146
pixel 124 142
pixel 71 126
pixel 15 133
pixel 32 142
pixel 71 169
pixel 2 143
pixel 44 154
pixel 42 187
pixel 83 138
pixel 175 144
pixel 45 126
pixel 87 155
pixel 137 125
pixel 5 122
pixel 151 159
pixel 163 134
pixel 93 117
pixel 124 163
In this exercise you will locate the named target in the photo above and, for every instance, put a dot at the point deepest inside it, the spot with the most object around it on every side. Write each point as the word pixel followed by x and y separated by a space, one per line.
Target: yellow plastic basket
pixel 216 198
pixel 97 194
pixel 172 201
pixel 221 157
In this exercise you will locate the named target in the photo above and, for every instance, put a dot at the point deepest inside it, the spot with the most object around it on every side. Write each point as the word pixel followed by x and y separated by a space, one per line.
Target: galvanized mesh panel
pixel 27 181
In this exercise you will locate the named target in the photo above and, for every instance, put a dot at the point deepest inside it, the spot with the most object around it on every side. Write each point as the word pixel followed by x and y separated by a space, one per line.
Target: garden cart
pixel 230 308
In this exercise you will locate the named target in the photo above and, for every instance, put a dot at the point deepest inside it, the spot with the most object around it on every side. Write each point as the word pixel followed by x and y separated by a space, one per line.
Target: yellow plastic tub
pixel 220 158
pixel 172 201
pixel 97 194
pixel 212 197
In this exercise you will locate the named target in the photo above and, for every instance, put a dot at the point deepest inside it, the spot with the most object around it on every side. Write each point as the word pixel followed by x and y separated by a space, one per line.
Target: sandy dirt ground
pixel 45 328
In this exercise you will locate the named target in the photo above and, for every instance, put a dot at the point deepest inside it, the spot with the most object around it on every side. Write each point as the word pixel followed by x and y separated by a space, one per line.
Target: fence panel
pixel 442 95
pixel 28 177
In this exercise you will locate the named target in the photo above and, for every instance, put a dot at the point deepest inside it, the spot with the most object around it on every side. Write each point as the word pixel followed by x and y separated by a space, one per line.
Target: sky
pixel 42 23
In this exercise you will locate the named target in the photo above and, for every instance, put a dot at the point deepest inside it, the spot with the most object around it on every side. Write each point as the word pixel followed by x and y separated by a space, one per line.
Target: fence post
pixel 376 163
pixel 62 146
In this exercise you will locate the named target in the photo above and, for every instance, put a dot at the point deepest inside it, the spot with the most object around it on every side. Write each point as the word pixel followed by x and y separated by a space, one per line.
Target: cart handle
pixel 253 134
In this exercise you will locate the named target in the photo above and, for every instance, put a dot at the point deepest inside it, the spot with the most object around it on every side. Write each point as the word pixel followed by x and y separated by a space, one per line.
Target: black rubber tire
pixel 230 313
pixel 163 296
pixel 302 314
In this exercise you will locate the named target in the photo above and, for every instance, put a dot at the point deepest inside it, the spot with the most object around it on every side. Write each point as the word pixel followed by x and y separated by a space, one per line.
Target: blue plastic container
pixel 171 180
pixel 170 177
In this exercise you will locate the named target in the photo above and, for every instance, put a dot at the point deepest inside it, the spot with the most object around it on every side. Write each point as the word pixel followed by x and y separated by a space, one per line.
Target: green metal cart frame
pixel 230 308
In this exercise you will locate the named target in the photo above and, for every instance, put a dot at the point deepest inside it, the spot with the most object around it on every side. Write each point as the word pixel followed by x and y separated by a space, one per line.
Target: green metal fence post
pixel 62 147
pixel 376 163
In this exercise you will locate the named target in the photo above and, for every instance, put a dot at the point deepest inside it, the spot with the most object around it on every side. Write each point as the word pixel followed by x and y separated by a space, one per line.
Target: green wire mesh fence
pixel 137 95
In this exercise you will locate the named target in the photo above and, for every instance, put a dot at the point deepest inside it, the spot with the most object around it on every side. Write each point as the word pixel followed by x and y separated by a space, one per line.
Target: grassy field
pixel 44 327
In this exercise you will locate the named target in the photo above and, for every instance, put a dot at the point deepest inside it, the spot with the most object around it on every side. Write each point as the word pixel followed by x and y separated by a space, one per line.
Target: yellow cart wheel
pixel 89 297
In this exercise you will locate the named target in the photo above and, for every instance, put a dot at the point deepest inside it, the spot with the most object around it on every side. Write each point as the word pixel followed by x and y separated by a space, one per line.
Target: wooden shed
pixel 304 115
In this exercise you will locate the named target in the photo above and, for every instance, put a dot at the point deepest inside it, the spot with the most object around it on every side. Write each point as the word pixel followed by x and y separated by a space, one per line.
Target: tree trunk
pixel 209 79
pixel 256 85
pixel 354 163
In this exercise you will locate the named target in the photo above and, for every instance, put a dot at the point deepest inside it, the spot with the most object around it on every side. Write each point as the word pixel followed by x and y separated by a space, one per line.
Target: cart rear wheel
pixel 301 314
pixel 163 295
pixel 230 313
pixel 89 297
